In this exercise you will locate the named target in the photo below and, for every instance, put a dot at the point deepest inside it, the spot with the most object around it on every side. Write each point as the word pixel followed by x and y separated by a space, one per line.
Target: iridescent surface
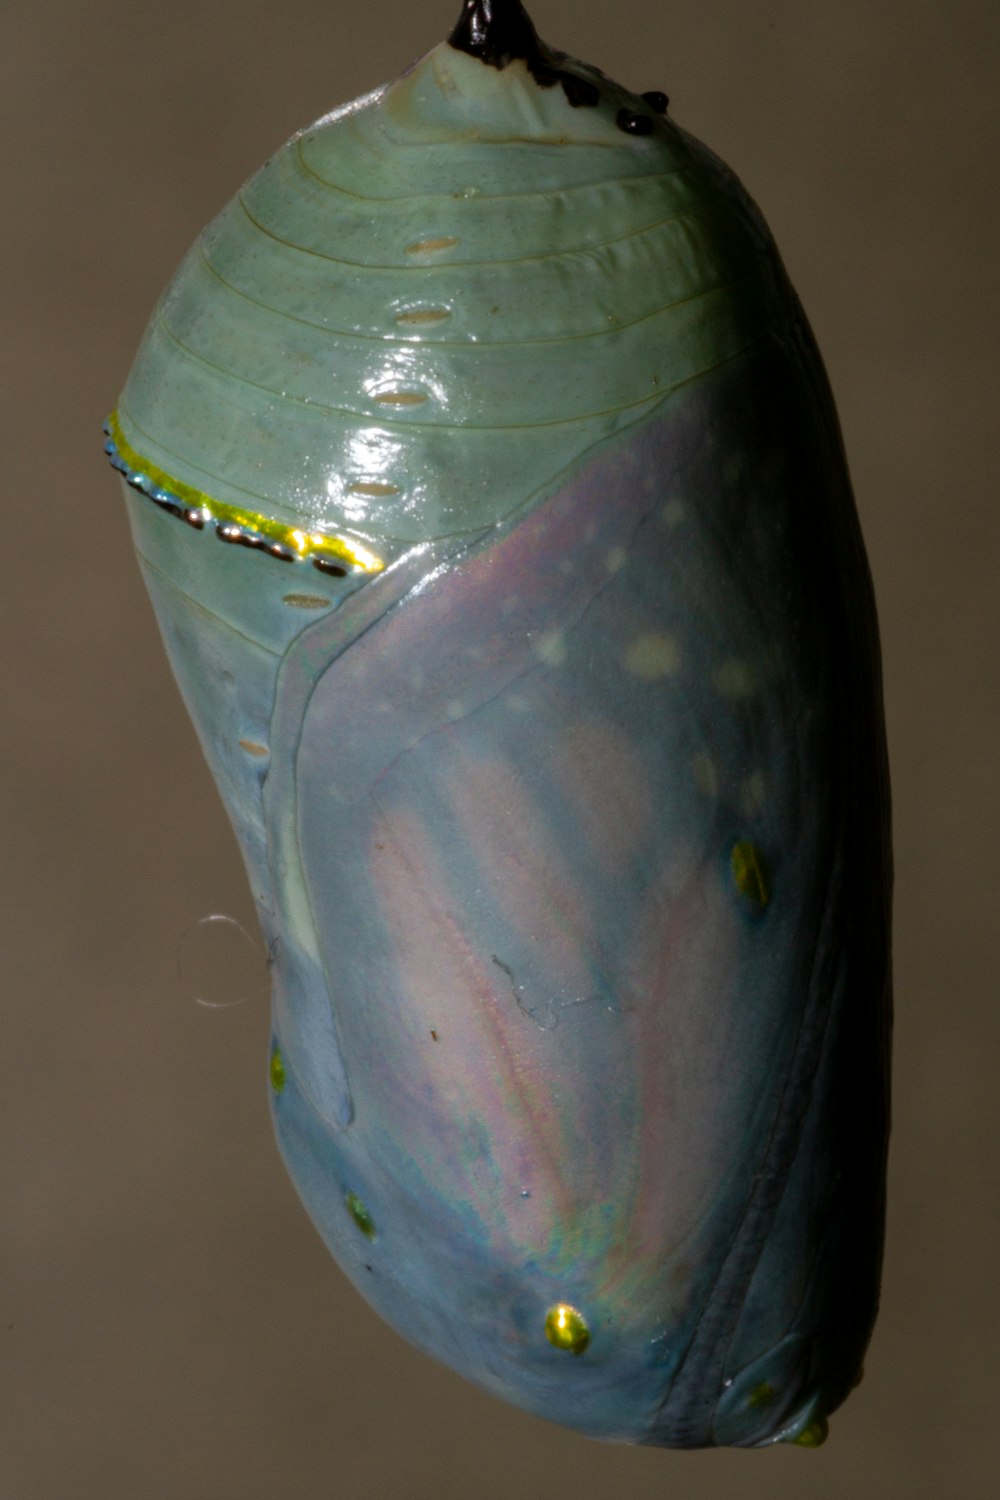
pixel 568 826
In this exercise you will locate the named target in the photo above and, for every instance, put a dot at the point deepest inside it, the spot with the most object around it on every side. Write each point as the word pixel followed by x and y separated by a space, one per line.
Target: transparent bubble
pixel 220 964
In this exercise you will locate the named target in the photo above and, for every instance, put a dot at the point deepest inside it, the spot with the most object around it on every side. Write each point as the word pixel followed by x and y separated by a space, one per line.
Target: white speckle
pixel 550 647
pixel 735 678
pixel 652 656
pixel 616 559
pixel 672 513
pixel 706 777
pixel 752 792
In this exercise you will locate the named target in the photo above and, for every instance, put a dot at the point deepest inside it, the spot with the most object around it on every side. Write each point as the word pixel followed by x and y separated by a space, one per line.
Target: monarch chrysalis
pixel 539 675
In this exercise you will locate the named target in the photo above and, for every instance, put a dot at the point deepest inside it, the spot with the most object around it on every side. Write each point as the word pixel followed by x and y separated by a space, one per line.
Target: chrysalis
pixel 523 614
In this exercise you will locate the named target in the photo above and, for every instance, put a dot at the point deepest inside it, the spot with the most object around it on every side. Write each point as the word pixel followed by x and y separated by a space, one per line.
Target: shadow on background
pixel 171 1325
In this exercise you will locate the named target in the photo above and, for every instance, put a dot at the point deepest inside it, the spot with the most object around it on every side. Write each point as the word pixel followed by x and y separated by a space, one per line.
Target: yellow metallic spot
pixel 734 679
pixel 761 1395
pixel 306 601
pixel 252 748
pixel 652 656
pixel 360 1215
pixel 749 873
pixel 277 1071
pixel 566 1328
pixel 427 247
pixel 221 511
pixel 813 1435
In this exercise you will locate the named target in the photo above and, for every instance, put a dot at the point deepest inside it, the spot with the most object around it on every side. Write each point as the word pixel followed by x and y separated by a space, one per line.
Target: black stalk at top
pixel 496 31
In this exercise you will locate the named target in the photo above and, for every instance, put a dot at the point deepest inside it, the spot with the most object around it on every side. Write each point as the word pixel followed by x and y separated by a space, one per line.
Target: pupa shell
pixel 539 675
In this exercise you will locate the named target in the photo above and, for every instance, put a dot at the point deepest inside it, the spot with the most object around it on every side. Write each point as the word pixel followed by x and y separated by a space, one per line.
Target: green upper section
pixel 429 303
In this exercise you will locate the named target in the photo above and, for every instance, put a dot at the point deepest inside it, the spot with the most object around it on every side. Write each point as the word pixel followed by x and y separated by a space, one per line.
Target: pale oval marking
pixel 307 601
pixel 401 398
pixel 429 247
pixel 550 647
pixel 421 316
pixel 652 656
pixel 375 491
pixel 706 777
pixel 734 678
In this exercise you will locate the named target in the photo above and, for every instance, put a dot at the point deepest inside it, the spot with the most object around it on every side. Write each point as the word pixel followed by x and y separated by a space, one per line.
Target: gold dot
pixel 360 1215
pixel 749 873
pixel 277 1071
pixel 761 1395
pixel 652 656
pixel 253 748
pixel 814 1434
pixel 566 1328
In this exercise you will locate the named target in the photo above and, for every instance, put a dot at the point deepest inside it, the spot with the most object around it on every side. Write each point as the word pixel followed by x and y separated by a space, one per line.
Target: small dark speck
pixel 657 100
pixel 633 124
pixel 434 1035
pixel 367 1267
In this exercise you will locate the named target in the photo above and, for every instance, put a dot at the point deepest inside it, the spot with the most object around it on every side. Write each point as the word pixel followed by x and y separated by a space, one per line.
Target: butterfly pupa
pixel 489 492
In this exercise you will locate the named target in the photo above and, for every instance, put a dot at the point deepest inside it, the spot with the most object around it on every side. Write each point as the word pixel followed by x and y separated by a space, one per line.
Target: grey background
pixel 170 1324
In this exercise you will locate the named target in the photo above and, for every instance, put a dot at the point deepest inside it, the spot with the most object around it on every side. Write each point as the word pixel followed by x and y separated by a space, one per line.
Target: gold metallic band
pixel 159 485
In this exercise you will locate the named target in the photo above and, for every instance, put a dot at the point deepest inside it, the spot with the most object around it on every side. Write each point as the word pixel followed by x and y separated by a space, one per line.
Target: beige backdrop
pixel 170 1324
